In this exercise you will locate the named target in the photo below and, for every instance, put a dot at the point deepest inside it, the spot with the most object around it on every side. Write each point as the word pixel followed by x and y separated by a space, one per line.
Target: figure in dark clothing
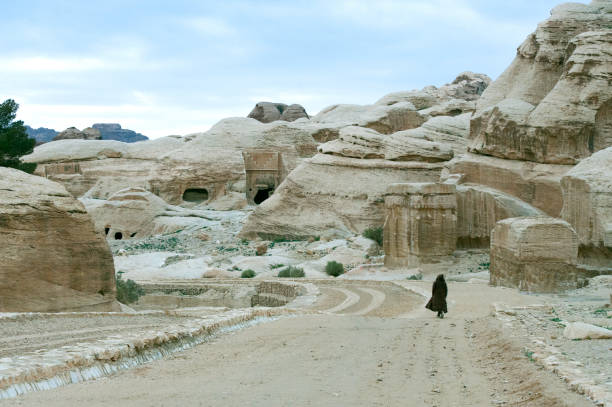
pixel 438 296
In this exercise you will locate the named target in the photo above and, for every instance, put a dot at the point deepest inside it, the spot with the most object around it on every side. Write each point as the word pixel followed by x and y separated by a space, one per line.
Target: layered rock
pixel 420 223
pixel 333 195
pixel 267 112
pixel 538 185
pixel 467 86
pixel 113 131
pixel 72 133
pixel 537 254
pixel 381 118
pixel 551 105
pixel 137 213
pixel 170 166
pixel 52 259
pixel 587 206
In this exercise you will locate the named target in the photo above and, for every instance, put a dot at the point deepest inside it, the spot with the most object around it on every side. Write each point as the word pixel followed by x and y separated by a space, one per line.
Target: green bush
pixel 248 274
pixel 333 268
pixel 128 291
pixel 276 266
pixel 292 272
pixel 375 234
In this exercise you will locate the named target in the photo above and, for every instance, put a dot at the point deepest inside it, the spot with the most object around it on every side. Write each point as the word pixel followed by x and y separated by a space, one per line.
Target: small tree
pixel 14 141
pixel 333 268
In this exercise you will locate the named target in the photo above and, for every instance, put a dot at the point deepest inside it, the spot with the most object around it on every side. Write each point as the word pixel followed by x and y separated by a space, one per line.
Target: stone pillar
pixel 535 254
pixel 420 223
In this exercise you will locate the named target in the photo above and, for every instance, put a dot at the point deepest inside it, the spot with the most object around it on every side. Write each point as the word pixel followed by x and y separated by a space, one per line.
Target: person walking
pixel 438 297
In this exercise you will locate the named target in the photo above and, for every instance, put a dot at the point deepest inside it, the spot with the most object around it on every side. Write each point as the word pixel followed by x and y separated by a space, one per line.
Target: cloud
pixel 210 26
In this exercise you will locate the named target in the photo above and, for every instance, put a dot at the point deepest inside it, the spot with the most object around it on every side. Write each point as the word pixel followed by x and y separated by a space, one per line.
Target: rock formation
pixel 41 134
pixel 73 133
pixel 537 254
pixel 587 206
pixel 552 104
pixel 52 259
pixel 136 213
pixel 113 131
pixel 420 223
pixel 294 112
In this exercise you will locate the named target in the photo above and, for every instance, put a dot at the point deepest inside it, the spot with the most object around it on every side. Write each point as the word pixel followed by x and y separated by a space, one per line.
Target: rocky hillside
pixel 108 131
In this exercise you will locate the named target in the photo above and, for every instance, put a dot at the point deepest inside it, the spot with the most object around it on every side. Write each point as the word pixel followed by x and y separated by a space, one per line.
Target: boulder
pixel 581 330
pixel 360 142
pixel 294 112
pixel 72 133
pixel 52 258
pixel 333 195
pixel 267 112
pixel 450 131
pixel 538 185
pixel 536 254
pixel 587 206
pixel 381 118
pixel 467 86
pixel 552 104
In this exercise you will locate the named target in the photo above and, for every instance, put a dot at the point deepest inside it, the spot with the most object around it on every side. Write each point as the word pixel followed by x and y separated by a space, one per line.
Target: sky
pixel 178 67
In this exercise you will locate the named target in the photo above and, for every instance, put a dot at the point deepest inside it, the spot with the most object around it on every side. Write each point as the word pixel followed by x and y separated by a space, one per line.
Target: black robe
pixel 438 298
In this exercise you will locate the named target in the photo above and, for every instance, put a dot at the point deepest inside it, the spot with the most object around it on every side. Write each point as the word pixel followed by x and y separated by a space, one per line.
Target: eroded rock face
pixel 52 259
pixel 552 104
pixel 72 133
pixel 330 195
pixel 420 223
pixel 535 254
pixel 587 206
pixel 267 112
pixel 294 112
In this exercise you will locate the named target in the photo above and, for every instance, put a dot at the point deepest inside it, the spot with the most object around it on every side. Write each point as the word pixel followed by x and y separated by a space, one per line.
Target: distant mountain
pixel 113 131
pixel 41 134
pixel 109 131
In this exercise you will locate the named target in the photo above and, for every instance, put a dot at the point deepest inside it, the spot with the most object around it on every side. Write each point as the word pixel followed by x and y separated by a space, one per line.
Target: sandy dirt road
pixel 363 349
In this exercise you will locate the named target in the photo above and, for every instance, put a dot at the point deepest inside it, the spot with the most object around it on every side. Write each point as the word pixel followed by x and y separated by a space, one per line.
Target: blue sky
pixel 176 67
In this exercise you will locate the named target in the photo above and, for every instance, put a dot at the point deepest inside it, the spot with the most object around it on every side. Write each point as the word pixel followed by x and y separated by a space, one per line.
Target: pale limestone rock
pixel 420 223
pixel 267 112
pixel 52 259
pixel 331 195
pixel 137 213
pixel 467 86
pixel 294 112
pixel 359 142
pixel 581 330
pixel 74 133
pixel 535 254
pixel 538 185
pixel 384 119
pixel 447 130
pixel 479 208
pixel 552 104
pixel 587 206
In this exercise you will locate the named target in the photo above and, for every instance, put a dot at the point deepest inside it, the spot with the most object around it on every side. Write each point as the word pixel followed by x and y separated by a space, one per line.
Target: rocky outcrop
pixel 294 112
pixel 52 259
pixel 170 166
pixel 538 185
pixel 360 142
pixel 41 134
pixel 467 86
pixel 330 195
pixel 552 104
pixel 72 133
pixel 535 254
pixel 267 112
pixel 381 118
pixel 137 213
pixel 587 206
pixel 113 131
pixel 420 223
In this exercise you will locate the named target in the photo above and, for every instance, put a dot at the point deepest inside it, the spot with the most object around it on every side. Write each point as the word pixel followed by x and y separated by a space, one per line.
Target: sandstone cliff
pixel 52 259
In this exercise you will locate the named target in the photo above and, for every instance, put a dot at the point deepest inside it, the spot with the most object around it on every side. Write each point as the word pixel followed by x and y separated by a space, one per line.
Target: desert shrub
pixel 375 234
pixel 333 268
pixel 415 277
pixel 276 266
pixel 247 274
pixel 128 291
pixel 292 272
